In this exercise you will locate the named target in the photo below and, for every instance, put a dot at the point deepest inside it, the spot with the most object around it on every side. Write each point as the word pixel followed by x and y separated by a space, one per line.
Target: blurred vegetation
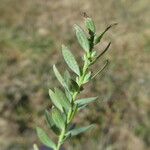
pixel 31 34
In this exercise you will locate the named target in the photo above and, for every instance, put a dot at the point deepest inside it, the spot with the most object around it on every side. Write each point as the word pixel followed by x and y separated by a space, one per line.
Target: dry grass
pixel 31 34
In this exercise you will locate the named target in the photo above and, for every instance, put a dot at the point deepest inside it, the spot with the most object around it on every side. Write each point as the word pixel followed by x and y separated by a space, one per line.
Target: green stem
pixel 61 137
pixel 63 132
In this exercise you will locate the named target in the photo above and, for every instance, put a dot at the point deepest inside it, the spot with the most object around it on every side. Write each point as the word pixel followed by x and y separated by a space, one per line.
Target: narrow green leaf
pixel 70 60
pixel 78 131
pixel 63 99
pixel 98 38
pixel 90 24
pixel 55 100
pixel 59 77
pixel 82 39
pixel 51 123
pixel 44 138
pixel 58 118
pixel 85 101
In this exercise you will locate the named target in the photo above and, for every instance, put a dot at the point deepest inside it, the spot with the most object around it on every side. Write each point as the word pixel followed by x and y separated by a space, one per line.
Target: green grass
pixel 19 38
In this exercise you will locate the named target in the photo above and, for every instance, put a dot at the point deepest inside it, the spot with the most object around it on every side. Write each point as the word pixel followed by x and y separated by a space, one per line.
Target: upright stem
pixel 74 95
pixel 61 137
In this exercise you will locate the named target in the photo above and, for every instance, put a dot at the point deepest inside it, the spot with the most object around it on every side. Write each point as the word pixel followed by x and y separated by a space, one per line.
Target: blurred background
pixel 31 35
